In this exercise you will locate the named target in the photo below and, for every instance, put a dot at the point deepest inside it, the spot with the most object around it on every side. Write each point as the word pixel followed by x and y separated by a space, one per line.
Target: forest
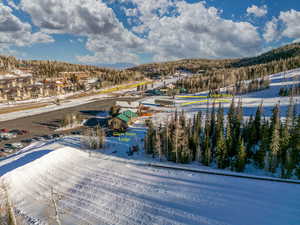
pixel 209 74
pixel 42 69
pixel 214 80
pixel 230 142
pixel 204 65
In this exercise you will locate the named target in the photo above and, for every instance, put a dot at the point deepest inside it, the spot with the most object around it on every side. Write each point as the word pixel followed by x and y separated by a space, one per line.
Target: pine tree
pixel 221 151
pixel 295 144
pixel 257 124
pixel 264 145
pixel 158 148
pixel 288 166
pixel 220 121
pixel 212 134
pixel 241 157
pixel 175 140
pixel 206 159
pixel 275 139
pixel 150 139
pixel 229 142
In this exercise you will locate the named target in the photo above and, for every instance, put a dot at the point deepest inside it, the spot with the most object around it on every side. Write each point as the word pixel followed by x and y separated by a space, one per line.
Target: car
pixel 17 145
pixel 8 150
pixel 4 130
pixel 47 137
pixel 16 131
pixel 8 145
pixel 38 138
pixel 55 135
pixel 77 132
pixel 4 138
pixel 27 141
pixel 7 135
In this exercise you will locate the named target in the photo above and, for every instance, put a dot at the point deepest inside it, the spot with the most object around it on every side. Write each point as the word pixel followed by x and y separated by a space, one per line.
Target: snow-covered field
pixel 269 97
pixel 113 188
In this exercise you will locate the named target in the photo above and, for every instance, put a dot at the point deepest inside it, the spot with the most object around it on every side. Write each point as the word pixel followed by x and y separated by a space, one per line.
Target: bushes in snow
pixel 94 138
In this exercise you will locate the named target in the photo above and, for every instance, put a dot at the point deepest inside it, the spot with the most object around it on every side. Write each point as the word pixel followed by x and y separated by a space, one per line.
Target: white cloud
pixel 199 31
pixel 14 32
pixel 286 25
pixel 106 36
pixel 291 20
pixel 170 29
pixel 257 11
pixel 271 32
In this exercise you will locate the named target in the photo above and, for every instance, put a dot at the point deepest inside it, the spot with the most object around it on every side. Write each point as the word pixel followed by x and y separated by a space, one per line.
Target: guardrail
pixel 224 174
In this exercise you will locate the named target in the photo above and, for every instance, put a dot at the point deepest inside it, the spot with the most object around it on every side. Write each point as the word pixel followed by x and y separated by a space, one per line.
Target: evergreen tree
pixel 229 142
pixel 257 124
pixel 275 139
pixel 158 148
pixel 260 155
pixel 206 159
pixel 221 151
pixel 241 157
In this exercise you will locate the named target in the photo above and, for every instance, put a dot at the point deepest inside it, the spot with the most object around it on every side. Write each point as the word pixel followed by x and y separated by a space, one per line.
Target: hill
pixel 282 53
pixel 287 52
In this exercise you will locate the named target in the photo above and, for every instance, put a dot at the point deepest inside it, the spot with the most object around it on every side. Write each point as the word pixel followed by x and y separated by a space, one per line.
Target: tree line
pixel 43 69
pixel 231 142
pixel 216 79
pixel 290 91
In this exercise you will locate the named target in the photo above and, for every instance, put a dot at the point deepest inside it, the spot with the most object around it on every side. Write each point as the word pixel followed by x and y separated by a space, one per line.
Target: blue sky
pixel 127 32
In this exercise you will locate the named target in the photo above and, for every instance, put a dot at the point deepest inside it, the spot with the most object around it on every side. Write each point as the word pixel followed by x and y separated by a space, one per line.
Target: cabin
pixel 117 124
pixel 164 102
pixel 122 121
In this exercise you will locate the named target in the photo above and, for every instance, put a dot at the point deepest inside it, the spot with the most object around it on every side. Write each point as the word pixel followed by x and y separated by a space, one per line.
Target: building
pixel 164 102
pixel 122 121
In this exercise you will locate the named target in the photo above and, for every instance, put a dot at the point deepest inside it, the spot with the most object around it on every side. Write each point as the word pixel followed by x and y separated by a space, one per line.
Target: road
pixel 46 123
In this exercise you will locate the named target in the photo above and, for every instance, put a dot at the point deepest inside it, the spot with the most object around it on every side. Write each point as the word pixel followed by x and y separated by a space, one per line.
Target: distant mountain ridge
pixel 195 65
pixel 163 68
pixel 281 53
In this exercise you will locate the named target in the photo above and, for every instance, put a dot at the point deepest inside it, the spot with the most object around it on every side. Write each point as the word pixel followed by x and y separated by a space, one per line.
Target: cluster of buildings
pixel 22 85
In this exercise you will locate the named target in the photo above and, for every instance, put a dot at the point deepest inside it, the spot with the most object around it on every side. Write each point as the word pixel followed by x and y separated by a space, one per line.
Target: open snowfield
pixel 113 188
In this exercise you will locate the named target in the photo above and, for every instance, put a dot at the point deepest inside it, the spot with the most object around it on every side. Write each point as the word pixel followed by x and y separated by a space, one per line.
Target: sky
pixel 122 33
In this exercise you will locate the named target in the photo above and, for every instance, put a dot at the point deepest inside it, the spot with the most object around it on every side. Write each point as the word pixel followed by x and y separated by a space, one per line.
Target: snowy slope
pixel 103 188
pixel 269 97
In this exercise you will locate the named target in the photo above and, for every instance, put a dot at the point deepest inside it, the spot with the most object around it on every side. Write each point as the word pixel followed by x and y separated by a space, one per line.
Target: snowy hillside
pixel 104 188
pixel 269 97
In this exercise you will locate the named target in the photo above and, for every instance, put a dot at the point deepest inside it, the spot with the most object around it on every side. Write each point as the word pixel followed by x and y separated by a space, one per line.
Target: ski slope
pixel 250 101
pixel 106 188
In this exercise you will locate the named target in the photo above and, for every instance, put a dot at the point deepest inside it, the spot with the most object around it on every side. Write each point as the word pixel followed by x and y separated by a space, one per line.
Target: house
pixel 128 116
pixel 117 124
pixel 154 92
pixel 122 121
pixel 164 102
pixel 132 106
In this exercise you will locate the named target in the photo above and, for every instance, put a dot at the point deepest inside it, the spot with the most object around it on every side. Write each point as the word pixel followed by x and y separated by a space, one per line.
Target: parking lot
pixel 43 126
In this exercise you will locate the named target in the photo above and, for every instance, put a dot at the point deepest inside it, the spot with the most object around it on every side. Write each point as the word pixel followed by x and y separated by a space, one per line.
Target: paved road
pixel 46 123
